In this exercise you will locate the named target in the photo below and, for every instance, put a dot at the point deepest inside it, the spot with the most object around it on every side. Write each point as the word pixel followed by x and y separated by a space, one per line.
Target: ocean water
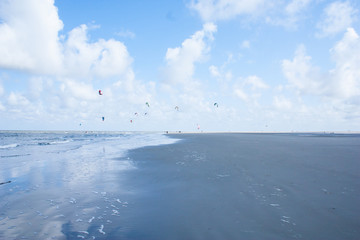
pixel 65 185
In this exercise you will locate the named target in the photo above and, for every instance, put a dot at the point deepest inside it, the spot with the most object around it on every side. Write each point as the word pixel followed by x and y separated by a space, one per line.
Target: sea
pixel 152 185
pixel 65 185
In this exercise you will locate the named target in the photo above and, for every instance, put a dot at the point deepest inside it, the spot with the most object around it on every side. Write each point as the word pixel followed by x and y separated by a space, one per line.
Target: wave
pixel 14 145
pixel 14 156
pixel 116 144
pixel 53 142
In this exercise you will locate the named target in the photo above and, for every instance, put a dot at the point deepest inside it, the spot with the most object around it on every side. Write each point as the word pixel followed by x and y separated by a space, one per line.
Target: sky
pixel 201 65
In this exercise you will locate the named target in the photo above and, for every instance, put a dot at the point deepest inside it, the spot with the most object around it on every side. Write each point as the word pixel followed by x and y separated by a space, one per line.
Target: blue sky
pixel 269 65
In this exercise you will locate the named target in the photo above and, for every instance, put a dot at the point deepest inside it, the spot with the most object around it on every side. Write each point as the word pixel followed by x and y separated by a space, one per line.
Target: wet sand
pixel 246 186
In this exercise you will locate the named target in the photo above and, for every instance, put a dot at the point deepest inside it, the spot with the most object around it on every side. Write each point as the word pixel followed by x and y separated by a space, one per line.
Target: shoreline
pixel 176 132
pixel 264 132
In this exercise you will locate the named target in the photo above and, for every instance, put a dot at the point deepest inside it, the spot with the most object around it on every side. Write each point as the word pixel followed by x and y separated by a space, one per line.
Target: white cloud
pixel 35 88
pixel 241 94
pixel 338 16
pixel 1 89
pixel 29 40
pixel 61 72
pixel 245 44
pixel 295 6
pixel 282 13
pixel 79 90
pixel 301 74
pixel 290 14
pixel 282 103
pixel 214 71
pixel 126 34
pixel 249 89
pixel 2 107
pixel 255 82
pixel 346 74
pixel 343 81
pixel 213 10
pixel 180 61
pixel 104 58
pixel 179 84
pixel 339 86
pixel 29 35
pixel 17 99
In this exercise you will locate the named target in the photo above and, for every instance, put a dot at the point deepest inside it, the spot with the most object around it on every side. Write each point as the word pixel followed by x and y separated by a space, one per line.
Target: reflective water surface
pixel 66 185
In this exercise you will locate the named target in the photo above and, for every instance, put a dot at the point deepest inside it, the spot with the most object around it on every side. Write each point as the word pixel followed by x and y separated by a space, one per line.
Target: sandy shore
pixel 247 186
pixel 205 186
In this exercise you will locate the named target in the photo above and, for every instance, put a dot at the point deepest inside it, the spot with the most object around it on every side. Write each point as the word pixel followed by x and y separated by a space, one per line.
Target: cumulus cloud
pixel 302 74
pixel 241 94
pixel 222 75
pixel 17 99
pixel 180 61
pixel 346 74
pixel 79 90
pixel 250 88
pixel 255 82
pixel 290 14
pixel 295 6
pixel 281 13
pixel 342 82
pixel 104 58
pixel 29 35
pixel 30 41
pixel 214 10
pixel 282 103
pixel 214 71
pixel 337 17
pixel 35 88
pixel 62 71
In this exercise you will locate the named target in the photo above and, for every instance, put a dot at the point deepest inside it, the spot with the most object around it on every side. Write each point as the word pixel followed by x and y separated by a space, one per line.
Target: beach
pixel 251 186
pixel 201 186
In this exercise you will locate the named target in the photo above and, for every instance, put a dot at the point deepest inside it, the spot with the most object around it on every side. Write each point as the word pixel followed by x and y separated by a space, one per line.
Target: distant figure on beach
pixel 103 118
pixel 100 92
